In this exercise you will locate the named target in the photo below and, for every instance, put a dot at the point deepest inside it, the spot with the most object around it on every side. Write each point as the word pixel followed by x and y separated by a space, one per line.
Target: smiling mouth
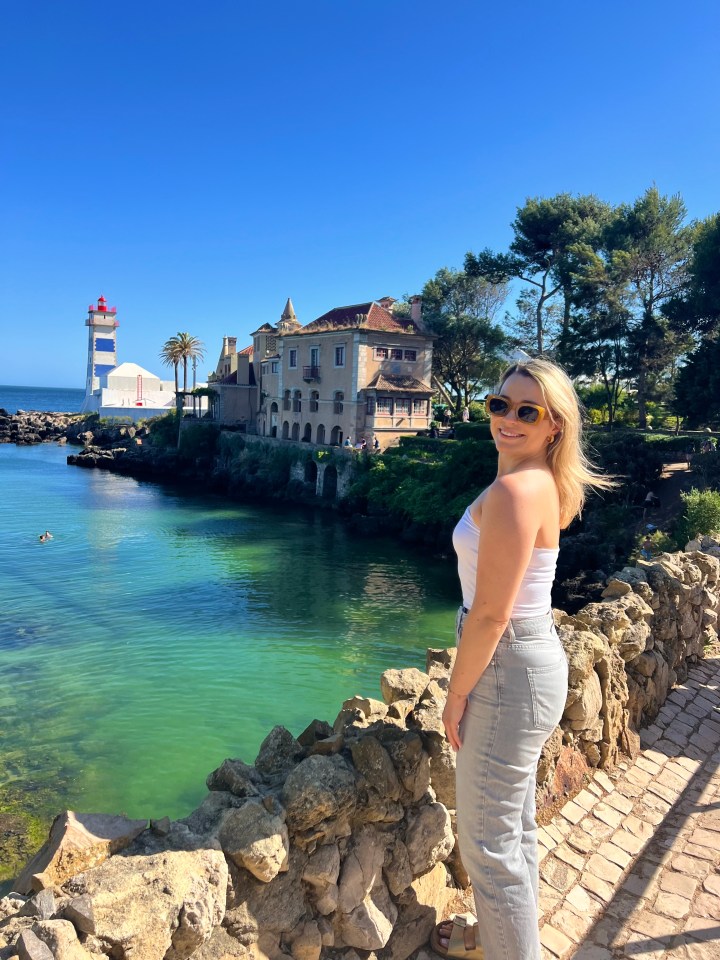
pixel 504 433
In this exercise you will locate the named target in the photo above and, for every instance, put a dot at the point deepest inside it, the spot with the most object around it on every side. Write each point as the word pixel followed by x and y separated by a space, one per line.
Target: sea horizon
pixel 40 398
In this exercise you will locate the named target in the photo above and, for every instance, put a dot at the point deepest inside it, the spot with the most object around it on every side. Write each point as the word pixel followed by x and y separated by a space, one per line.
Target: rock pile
pixel 31 426
pixel 343 840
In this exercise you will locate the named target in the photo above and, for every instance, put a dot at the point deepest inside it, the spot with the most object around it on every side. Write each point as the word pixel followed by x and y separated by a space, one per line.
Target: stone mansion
pixel 357 372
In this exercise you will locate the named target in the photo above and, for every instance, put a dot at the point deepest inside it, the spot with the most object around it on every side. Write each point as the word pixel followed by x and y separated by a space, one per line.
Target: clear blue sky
pixel 199 163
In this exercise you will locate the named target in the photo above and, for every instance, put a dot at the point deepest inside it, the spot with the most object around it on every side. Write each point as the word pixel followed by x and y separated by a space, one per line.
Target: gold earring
pixel 550 438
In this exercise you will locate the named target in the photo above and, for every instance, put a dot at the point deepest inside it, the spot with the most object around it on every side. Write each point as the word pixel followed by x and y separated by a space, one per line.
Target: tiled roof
pixel 368 316
pixel 246 352
pixel 230 378
pixel 397 383
pixel 265 328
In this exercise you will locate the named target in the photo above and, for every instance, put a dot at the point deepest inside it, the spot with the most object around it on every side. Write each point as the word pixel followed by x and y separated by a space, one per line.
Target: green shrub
pixel 701 514
pixel 199 442
pixel 163 431
pixel 473 430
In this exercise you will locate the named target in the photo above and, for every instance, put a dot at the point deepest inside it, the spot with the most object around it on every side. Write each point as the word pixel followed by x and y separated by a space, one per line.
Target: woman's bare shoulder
pixel 523 485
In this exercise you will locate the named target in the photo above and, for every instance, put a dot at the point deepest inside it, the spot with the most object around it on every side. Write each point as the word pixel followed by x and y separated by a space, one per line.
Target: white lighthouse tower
pixel 102 348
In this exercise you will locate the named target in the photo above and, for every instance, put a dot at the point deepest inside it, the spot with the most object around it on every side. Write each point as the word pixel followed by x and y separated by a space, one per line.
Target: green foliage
pixel 660 542
pixel 419 444
pixel 163 431
pixel 701 514
pixel 428 486
pixel 697 386
pixel 478 430
pixel 258 466
pixel 459 310
pixel 199 441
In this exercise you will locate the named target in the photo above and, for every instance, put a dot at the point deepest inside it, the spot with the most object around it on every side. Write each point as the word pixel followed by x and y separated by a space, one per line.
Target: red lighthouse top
pixel 102 304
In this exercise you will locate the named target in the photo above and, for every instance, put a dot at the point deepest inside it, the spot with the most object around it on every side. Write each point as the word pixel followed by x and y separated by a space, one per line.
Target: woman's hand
pixel 452 715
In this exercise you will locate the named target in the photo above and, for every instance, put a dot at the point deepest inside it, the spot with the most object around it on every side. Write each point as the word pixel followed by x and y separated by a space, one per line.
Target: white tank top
pixel 533 597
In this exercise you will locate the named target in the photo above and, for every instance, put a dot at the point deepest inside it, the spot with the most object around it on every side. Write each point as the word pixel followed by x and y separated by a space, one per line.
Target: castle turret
pixel 102 346
pixel 289 323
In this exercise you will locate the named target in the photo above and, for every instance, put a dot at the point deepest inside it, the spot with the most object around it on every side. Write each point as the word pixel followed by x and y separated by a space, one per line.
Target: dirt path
pixel 675 479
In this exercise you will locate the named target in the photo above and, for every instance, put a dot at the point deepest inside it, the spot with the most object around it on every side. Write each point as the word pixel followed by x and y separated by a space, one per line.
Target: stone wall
pixel 342 840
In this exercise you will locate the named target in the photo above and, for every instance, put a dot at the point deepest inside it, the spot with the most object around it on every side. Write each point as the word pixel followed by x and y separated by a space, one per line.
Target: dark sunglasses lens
pixel 498 406
pixel 528 414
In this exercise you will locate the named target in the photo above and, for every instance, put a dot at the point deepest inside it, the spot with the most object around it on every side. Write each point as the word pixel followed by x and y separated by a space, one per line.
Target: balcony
pixel 310 374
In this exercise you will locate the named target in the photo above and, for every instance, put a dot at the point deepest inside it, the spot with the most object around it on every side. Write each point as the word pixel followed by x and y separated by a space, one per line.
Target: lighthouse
pixel 102 347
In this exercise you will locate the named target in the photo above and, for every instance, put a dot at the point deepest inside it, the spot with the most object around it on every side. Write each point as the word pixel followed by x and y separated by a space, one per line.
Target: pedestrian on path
pixel 508 686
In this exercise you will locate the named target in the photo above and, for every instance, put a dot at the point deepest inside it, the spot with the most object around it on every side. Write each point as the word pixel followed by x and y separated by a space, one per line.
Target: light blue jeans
pixel 511 712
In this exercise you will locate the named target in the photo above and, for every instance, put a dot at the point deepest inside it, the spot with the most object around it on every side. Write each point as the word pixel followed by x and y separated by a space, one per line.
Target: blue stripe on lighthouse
pixel 102 368
pixel 105 343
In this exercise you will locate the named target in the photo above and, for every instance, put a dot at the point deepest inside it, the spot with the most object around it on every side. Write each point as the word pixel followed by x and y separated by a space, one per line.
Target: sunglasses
pixel 498 406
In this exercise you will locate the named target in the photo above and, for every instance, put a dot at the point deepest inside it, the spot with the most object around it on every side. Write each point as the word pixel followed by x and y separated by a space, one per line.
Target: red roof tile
pixel 246 351
pixel 368 316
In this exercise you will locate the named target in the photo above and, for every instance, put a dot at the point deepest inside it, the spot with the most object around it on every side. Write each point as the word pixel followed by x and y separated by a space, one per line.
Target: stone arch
pixel 286 430
pixel 295 435
pixel 330 479
pixel 311 472
pixel 307 433
pixel 273 419
pixel 321 433
pixel 336 436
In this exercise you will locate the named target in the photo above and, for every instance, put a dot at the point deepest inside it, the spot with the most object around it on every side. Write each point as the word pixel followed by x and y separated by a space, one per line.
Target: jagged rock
pixel 161 828
pixel 371 709
pixel 420 907
pixel 11 904
pixel 279 753
pixel 328 746
pixel 307 942
pixel 77 842
pixel 317 789
pixel 316 730
pixel 397 869
pixel 236 777
pixel 61 938
pixel 42 906
pixel 411 763
pixel 159 907
pixel 255 839
pixel 616 588
pixel 429 838
pixel 380 787
pixel 30 947
pixel 366 911
pixel 587 705
pixel 403 684
pixel 79 911
pixel 274 909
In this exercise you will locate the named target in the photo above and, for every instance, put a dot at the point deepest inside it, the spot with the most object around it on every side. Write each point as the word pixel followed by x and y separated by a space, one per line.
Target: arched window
pixel 297 401
pixel 295 431
pixel 338 402
pixel 286 400
pixel 314 398
pixel 307 433
pixel 286 430
pixel 321 433
pixel 336 436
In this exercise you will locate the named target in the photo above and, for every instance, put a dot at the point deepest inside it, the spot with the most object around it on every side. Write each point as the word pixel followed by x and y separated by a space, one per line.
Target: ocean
pixel 161 630
pixel 49 399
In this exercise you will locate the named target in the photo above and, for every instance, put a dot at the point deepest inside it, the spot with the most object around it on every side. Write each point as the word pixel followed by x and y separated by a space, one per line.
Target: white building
pixel 125 390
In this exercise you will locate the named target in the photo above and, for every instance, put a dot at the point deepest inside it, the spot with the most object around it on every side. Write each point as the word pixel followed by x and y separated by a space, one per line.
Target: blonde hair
pixel 574 473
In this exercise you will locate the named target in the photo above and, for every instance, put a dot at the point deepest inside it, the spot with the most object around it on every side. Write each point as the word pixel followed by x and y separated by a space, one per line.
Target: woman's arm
pixel 511 517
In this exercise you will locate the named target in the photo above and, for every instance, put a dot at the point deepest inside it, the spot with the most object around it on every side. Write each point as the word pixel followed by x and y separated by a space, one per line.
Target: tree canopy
pixel 460 311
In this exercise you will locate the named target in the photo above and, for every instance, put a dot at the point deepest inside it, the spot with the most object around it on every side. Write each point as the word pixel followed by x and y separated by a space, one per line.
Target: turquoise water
pixel 160 632
pixel 49 399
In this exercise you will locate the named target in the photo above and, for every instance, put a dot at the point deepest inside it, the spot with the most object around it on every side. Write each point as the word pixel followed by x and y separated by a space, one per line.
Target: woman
pixel 509 683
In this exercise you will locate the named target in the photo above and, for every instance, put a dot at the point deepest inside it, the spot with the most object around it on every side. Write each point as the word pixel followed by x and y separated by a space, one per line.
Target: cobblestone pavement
pixel 631 866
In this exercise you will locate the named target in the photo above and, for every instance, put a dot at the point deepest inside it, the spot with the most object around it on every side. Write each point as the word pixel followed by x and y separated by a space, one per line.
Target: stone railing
pixel 343 839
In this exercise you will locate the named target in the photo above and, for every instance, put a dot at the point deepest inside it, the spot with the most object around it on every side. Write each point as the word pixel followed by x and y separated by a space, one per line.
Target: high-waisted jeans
pixel 511 712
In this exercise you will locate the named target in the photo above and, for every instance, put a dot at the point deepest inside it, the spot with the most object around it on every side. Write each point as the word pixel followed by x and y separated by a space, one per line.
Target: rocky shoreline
pixel 340 843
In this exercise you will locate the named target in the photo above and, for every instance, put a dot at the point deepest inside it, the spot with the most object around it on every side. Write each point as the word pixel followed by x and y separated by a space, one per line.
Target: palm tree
pixel 171 355
pixel 189 348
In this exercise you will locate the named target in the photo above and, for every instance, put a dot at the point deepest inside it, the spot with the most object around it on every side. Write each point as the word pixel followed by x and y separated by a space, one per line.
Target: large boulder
pixel 316 790
pixel 77 842
pixel 256 839
pixel 159 907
